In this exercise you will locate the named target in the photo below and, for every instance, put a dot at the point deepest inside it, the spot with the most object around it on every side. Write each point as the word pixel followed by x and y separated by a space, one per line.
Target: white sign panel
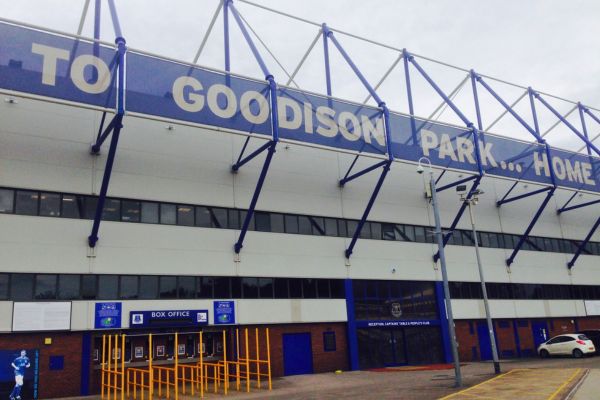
pixel 592 307
pixel 55 316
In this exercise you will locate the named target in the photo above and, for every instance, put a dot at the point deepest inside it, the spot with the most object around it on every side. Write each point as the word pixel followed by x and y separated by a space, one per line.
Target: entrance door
pixel 381 347
pixel 540 333
pixel 398 346
pixel 485 347
pixel 297 354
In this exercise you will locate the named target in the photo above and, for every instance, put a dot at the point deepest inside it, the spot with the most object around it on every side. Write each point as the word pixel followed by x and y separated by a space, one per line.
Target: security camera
pixel 420 169
pixel 461 189
pixel 393 270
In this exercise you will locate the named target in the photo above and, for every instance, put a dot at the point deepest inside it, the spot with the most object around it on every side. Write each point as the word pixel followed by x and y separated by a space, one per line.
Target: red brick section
pixel 505 337
pixel 526 337
pixel 558 326
pixel 466 340
pixel 61 383
pixel 589 323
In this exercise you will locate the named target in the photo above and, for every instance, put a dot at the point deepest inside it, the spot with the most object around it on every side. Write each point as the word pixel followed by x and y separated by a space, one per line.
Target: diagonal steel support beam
pixel 347 178
pixel 522 196
pixel 458 216
pixel 363 219
pixel 525 235
pixel 235 167
pixel 456 183
pixel 113 128
pixel 583 244
pixel 575 207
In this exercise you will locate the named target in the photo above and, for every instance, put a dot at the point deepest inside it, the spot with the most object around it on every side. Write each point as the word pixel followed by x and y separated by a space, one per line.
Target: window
pixel 129 287
pixel 204 287
pixel 168 287
pixel 27 202
pixel 4 286
pixel 186 287
pixel 281 288
pixel 89 207
pixel 309 288
pixel 21 287
pixel 277 224
pixel 130 211
pixel 262 221
pixel 265 288
pixel 50 205
pixel 168 215
pixel 148 287
pixel 233 219
pixel 323 289
pixel 304 225
pixel 329 341
pixel 108 287
pixel 68 287
pixel 222 290
pixel 219 216
pixel 295 287
pixel 111 210
pixel 331 227
pixel 291 224
pixel 88 287
pixel 185 215
pixel 45 287
pixel 203 218
pixel 72 206
pixel 150 213
pixel 250 288
pixel 6 201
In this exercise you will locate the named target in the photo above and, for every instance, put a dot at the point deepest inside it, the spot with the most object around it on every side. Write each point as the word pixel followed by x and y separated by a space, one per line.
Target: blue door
pixel 297 354
pixel 485 347
pixel 540 333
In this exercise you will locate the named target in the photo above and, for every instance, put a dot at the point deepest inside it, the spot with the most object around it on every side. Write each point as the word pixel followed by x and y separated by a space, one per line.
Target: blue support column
pixel 411 108
pixel 86 361
pixel 351 328
pixel 114 128
pixel 326 56
pixel 584 243
pixel 441 305
pixel 226 34
pixel 580 108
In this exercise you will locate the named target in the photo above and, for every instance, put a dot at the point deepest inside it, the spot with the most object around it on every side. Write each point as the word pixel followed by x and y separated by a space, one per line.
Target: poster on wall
pixel 107 315
pixel 41 316
pixel 592 307
pixel 19 373
pixel 224 312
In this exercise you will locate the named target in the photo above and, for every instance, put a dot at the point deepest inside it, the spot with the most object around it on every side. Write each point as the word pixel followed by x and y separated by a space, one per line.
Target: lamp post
pixel 471 201
pixel 440 241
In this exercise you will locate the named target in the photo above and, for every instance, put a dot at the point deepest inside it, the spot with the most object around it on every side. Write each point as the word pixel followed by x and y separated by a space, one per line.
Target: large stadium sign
pixel 60 67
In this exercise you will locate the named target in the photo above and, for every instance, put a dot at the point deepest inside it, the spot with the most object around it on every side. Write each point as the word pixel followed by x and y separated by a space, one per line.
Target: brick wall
pixel 558 326
pixel 468 342
pixel 589 323
pixel 505 337
pixel 52 383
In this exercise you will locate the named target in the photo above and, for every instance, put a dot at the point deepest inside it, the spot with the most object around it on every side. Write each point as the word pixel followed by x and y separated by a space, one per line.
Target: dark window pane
pixel 148 287
pixel 342 228
pixel 236 288
pixel 50 204
pixel 4 286
pixel 365 232
pixel 331 228
pixel 337 289
pixel 407 232
pixel 108 286
pixel 250 288
pixel 150 213
pixel 185 215
pixel 129 287
pixel 219 217
pixel 168 287
pixel 329 341
pixel 388 232
pixel 168 214
pixel 89 210
pixel 21 287
pixel 222 290
pixel 281 288
pixel 205 287
pixel 309 288
pixel 318 225
pixel 291 224
pixel 186 287
pixel 88 287
pixel 130 211
pixel 203 217
pixel 376 230
pixel 233 219
pixel 45 287
pixel 277 224
pixel 265 288
pixel 352 225
pixel 262 221
pixel 6 200
pixel 420 234
pixel 112 210
pixel 243 219
pixel 304 226
pixel 72 206
pixel 27 202
pixel 295 288
pixel 323 288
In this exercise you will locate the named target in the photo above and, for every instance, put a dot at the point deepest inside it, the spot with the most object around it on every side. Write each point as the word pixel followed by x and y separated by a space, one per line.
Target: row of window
pixel 524 291
pixel 23 287
pixel 51 204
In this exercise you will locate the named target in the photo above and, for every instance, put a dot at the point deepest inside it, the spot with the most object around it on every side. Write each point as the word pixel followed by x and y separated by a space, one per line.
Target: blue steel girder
pixel 114 128
pixel 583 244
pixel 575 207
pixel 385 164
pixel 270 146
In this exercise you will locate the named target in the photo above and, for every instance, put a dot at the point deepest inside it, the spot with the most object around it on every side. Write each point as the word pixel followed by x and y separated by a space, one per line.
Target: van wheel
pixel 577 353
pixel 544 353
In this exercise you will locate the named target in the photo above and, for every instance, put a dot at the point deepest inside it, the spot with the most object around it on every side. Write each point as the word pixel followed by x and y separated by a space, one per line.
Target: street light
pixel 472 200
pixel 431 194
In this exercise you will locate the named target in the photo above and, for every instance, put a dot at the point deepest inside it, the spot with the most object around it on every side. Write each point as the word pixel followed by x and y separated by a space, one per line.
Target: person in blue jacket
pixel 19 364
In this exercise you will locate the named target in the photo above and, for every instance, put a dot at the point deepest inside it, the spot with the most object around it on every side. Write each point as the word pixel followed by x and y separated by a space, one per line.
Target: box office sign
pixel 168 318
pixel 224 312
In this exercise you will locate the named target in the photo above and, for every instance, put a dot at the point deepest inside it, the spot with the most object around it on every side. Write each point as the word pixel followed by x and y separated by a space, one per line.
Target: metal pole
pixel 440 242
pixel 488 316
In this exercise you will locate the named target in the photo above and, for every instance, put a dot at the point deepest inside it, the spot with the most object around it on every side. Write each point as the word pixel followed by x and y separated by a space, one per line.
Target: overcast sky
pixel 549 45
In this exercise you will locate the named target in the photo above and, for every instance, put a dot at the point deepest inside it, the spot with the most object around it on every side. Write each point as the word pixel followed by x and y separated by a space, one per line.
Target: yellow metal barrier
pixel 169 377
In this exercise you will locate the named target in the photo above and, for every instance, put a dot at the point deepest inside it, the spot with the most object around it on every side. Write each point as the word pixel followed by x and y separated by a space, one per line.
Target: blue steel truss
pixel 116 124
pixel 114 127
